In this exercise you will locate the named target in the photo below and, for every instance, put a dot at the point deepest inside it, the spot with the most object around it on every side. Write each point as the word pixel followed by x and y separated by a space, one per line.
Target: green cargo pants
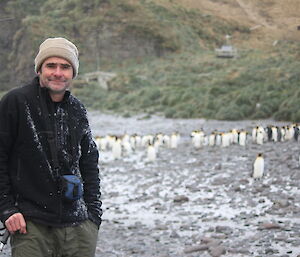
pixel 45 241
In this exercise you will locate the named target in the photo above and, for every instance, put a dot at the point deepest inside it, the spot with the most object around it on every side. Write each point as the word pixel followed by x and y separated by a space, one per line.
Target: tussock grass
pixel 257 85
pixel 177 73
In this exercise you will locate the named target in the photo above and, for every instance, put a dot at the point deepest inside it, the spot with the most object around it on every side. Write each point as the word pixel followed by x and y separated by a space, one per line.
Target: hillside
pixel 163 54
pixel 269 20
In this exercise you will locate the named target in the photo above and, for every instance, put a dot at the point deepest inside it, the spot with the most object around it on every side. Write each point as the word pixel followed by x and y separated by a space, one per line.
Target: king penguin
pixel 258 166
pixel 174 139
pixel 117 148
pixel 260 137
pixel 151 152
pixel 242 137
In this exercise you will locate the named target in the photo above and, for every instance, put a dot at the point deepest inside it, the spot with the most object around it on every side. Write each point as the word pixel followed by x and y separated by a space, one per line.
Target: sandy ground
pixel 197 202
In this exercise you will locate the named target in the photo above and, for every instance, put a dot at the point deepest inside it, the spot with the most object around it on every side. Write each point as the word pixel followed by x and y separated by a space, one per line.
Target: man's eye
pixel 65 66
pixel 51 65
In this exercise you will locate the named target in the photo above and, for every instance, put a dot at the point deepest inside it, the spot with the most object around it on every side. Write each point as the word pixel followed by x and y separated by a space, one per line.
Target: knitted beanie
pixel 57 47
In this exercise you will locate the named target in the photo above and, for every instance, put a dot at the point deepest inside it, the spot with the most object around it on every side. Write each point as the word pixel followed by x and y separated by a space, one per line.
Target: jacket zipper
pixel 18 169
pixel 53 113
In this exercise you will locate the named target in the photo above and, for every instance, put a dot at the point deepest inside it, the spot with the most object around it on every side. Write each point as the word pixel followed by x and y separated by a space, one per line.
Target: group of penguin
pixel 125 145
pixel 273 134
pixel 259 135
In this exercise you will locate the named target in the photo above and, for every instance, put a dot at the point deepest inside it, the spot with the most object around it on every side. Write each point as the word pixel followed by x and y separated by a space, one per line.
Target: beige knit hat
pixel 57 47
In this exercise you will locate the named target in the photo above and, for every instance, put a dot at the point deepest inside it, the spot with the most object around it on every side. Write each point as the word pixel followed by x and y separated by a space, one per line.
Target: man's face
pixel 56 74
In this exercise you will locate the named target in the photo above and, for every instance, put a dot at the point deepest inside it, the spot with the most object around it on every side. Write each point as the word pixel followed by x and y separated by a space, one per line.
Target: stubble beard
pixel 51 85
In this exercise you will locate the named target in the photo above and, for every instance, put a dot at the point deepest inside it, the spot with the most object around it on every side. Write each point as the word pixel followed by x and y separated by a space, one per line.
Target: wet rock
pixel 136 225
pixel 113 194
pixel 217 251
pixel 281 203
pixel 218 166
pixel 193 188
pixel 220 181
pixel 257 190
pixel 224 229
pixel 210 241
pixel 196 248
pixel 184 213
pixel 244 181
pixel 281 237
pixel 296 243
pixel 158 206
pixel 271 251
pixel 239 250
pixel 174 234
pixel 185 227
pixel 181 199
pixel 236 189
pixel 161 227
pixel 269 226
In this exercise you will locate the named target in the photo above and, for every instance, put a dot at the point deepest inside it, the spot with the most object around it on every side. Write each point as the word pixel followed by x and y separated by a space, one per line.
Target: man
pixel 49 178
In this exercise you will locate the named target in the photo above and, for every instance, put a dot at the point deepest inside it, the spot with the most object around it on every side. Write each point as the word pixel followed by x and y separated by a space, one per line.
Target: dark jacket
pixel 28 181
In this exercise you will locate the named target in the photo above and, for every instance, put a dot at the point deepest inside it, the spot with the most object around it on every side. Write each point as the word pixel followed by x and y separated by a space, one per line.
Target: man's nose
pixel 58 71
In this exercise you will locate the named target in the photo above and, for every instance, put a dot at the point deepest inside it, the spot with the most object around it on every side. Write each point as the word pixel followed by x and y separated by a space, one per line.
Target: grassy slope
pixel 255 85
pixel 187 80
pixel 192 82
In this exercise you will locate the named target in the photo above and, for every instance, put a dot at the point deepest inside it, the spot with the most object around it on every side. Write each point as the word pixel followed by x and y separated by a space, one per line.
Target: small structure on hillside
pixel 102 78
pixel 227 50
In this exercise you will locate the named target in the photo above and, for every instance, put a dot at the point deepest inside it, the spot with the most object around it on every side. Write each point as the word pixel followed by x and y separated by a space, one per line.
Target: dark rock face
pixel 19 45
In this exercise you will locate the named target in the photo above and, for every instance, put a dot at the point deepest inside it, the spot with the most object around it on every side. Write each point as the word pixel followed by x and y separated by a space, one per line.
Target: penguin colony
pixel 125 145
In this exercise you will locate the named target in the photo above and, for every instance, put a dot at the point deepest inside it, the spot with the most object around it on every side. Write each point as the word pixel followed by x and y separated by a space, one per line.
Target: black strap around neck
pixel 52 133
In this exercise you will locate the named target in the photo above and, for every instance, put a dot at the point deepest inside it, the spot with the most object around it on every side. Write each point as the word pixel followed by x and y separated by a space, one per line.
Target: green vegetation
pixel 255 86
pixel 164 59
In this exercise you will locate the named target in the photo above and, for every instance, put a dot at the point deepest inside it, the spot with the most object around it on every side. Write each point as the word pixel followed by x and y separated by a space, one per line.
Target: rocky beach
pixel 197 202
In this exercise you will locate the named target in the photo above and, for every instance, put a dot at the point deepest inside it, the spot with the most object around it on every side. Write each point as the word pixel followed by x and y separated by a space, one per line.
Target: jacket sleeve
pixel 90 174
pixel 8 135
